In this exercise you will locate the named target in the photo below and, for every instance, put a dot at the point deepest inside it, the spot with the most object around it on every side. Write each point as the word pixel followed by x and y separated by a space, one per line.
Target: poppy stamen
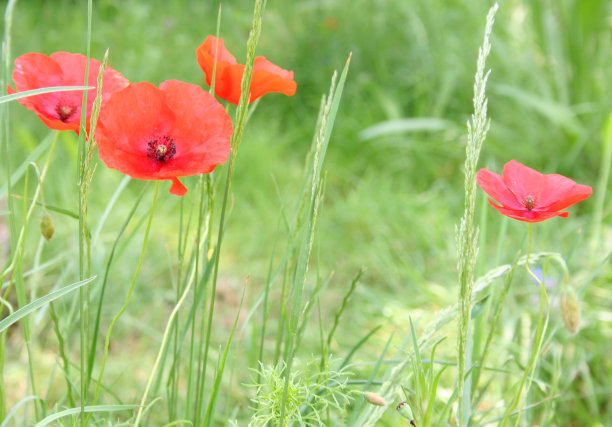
pixel 529 202
pixel 65 111
pixel 161 149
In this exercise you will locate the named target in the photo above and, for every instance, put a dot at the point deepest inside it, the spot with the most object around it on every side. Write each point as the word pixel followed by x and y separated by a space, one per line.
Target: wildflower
pixel 375 398
pixel 267 77
pixel 62 110
pixel 163 134
pixel 527 195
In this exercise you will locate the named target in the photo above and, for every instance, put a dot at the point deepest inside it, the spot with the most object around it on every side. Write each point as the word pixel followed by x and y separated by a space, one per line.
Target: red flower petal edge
pixel 266 76
pixel 163 134
pixel 62 110
pixel 527 195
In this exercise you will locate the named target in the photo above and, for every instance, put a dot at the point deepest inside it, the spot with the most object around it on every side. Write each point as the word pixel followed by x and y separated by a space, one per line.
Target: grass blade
pixel 34 305
pixel 86 409
pixel 33 92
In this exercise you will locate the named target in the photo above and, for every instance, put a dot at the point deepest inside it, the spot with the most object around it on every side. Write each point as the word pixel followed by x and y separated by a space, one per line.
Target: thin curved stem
pixel 539 338
pixel 163 346
pixel 129 295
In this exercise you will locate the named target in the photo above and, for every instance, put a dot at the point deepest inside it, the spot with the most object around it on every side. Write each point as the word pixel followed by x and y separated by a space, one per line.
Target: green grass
pixel 390 204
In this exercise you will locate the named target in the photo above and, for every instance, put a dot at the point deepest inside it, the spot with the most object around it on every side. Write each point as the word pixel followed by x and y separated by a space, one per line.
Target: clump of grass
pixel 311 397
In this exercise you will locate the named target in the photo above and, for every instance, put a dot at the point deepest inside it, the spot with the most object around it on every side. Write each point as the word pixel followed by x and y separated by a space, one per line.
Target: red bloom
pixel 162 134
pixel 527 195
pixel 266 76
pixel 62 110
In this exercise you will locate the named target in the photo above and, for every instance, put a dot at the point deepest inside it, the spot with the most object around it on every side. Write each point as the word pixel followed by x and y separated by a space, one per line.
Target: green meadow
pixel 322 266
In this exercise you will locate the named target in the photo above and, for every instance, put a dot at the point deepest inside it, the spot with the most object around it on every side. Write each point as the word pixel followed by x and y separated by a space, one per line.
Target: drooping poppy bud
pixel 570 311
pixel 375 398
pixel 46 226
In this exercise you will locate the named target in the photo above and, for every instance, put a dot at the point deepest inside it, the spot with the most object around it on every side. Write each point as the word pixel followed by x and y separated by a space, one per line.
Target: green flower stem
pixel 96 327
pixel 539 338
pixel 129 295
pixel 15 264
pixel 21 239
pixel 162 348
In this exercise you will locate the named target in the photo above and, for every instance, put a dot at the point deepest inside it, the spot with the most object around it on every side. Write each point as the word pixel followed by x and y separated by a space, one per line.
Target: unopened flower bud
pixel 375 398
pixel 570 311
pixel 405 411
pixel 46 226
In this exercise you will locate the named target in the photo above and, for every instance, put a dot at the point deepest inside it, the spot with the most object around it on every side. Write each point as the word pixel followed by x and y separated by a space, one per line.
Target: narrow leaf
pixel 36 304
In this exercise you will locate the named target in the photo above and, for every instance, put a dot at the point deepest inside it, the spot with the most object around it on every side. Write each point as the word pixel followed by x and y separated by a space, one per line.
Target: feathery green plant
pixel 467 235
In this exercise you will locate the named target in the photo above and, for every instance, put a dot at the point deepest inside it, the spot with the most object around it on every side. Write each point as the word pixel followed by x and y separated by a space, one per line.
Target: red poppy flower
pixel 162 134
pixel 62 110
pixel 266 76
pixel 527 195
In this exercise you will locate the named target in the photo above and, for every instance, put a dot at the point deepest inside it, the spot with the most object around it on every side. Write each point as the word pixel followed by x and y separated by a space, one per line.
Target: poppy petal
pixel 163 134
pixel 523 181
pixel 527 216
pixel 130 120
pixel 177 188
pixel 495 187
pixel 201 130
pixel 34 71
pixel 227 72
pixel 268 77
pixel 575 194
pixel 62 110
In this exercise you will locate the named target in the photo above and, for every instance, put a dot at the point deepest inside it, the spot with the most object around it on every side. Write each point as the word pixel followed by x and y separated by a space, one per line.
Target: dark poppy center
pixel 161 149
pixel 529 202
pixel 65 111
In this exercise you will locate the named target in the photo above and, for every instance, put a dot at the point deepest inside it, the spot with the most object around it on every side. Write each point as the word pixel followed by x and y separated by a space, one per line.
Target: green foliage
pixel 393 192
pixel 314 397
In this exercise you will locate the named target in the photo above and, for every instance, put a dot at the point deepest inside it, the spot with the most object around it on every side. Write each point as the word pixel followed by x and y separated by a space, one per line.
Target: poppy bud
pixel 375 398
pixel 570 311
pixel 46 226
pixel 405 411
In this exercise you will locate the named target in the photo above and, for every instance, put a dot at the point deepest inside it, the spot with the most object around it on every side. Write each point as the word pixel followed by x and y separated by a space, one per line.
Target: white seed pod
pixel 375 398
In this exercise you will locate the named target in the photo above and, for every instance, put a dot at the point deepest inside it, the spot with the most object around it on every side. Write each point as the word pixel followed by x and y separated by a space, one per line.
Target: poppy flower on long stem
pixel 528 195
pixel 62 110
pixel 267 77
pixel 163 134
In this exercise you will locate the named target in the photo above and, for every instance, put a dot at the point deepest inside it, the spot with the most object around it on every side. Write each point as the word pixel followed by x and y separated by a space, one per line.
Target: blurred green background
pixel 394 168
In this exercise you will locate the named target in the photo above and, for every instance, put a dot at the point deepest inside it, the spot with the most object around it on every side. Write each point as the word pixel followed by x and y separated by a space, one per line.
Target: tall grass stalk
pixel 83 179
pixel 208 224
pixel 600 190
pixel 5 152
pixel 467 235
pixel 298 272
pixel 239 126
